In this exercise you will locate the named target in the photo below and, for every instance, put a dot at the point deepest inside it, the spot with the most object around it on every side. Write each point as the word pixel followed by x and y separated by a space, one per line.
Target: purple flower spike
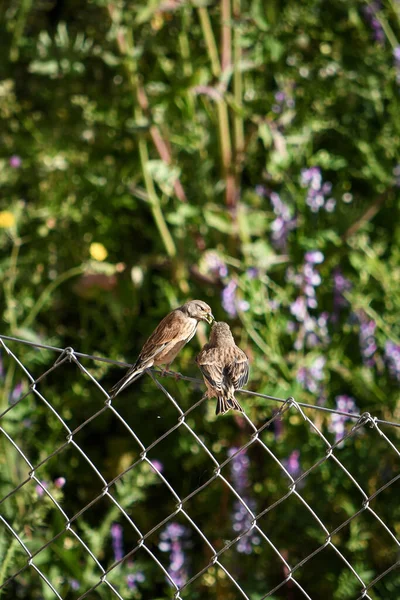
pixel 241 517
pixel 230 303
pixel 368 345
pixel 317 190
pixel 392 357
pixel 174 540
pixel 283 224
pixel 344 403
pixel 292 464
pixel 158 465
pixel 315 257
pixel 134 578
pixel 117 541
pixel 16 393
pixel 15 161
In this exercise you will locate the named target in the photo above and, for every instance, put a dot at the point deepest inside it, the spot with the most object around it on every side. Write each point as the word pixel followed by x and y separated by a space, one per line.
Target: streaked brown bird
pixel 169 337
pixel 224 366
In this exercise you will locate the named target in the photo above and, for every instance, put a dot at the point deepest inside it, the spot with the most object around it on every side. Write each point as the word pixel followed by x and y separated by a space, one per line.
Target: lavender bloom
pixel 311 378
pixel 283 101
pixel 215 264
pixel 314 257
pixel 74 583
pixel 242 520
pixel 252 272
pixel 229 301
pixel 311 330
pixel 117 541
pixel 317 190
pixel 292 464
pixel 283 224
pixel 370 13
pixel 15 161
pixel 39 488
pixel 134 578
pixel 340 285
pixel 260 190
pixel 173 541
pixel 367 342
pixel 344 404
pixel 392 356
pixel 15 394
pixel 60 482
pixel 157 465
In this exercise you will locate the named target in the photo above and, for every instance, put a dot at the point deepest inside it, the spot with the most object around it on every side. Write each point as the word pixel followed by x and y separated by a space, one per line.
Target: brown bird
pixel 169 337
pixel 224 366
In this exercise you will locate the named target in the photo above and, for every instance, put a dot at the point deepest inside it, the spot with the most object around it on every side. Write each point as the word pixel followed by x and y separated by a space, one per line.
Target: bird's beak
pixel 210 318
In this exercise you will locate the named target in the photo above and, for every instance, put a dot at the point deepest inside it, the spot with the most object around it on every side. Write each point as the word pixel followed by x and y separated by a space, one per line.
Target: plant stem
pixel 45 295
pixel 209 41
pixel 155 202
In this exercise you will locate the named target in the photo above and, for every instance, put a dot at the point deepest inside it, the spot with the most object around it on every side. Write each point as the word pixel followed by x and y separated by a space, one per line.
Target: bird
pixel 224 366
pixel 169 337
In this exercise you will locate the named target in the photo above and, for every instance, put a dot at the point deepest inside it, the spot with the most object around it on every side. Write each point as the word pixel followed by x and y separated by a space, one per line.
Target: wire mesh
pixel 258 525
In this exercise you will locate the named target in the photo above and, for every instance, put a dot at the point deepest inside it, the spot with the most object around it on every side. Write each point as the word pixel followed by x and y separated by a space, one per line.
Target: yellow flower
pixel 98 251
pixel 7 219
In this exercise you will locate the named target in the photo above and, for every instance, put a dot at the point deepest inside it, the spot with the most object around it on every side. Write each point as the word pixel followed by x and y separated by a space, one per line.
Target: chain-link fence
pixel 159 511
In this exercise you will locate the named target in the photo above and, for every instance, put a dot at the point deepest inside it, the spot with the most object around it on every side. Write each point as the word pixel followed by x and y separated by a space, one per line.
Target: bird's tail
pixel 227 401
pixel 131 376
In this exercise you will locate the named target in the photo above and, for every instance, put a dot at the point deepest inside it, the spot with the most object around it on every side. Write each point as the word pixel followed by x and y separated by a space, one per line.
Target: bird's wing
pixel 211 367
pixel 237 369
pixel 174 328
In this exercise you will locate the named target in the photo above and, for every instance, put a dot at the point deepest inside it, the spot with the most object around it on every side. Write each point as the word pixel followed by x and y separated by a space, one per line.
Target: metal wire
pixel 365 422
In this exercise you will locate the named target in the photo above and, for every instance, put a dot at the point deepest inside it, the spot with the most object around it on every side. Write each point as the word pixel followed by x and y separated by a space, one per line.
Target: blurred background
pixel 242 152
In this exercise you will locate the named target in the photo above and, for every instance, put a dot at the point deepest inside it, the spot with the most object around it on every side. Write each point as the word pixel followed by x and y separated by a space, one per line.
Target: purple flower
pixel 317 190
pixel 344 403
pixel 117 541
pixel 215 264
pixel 368 345
pixel 370 12
pixel 314 257
pixel 283 224
pixel 311 378
pixel 74 583
pixel 252 272
pixel 60 482
pixel 16 394
pixel 311 330
pixel 15 161
pixel 230 303
pixel 241 517
pixel 340 285
pixel 283 101
pixel 39 488
pixel 134 578
pixel 157 465
pixel 299 308
pixel 292 464
pixel 260 190
pixel 392 357
pixel 174 540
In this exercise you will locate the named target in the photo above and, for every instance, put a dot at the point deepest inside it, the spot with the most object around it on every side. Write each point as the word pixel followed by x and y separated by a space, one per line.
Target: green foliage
pixel 141 148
